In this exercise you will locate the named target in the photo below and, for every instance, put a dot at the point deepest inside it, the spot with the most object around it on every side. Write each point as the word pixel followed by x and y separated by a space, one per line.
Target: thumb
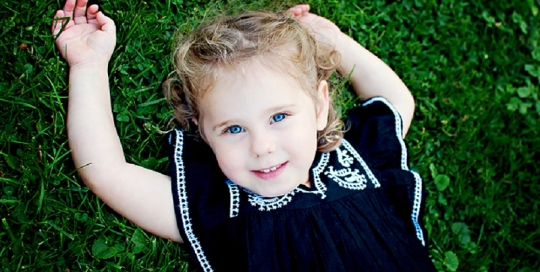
pixel 106 23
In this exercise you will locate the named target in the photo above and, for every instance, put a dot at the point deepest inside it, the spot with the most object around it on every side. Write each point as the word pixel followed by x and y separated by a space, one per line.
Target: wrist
pixel 89 65
pixel 343 42
pixel 92 73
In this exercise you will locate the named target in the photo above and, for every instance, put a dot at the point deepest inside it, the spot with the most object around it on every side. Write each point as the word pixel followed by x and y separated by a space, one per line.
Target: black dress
pixel 362 213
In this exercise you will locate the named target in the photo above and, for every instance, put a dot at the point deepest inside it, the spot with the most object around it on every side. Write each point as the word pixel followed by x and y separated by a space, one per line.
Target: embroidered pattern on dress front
pixel 355 154
pixel 344 158
pixel 347 177
pixel 183 199
pixel 418 181
pixel 234 206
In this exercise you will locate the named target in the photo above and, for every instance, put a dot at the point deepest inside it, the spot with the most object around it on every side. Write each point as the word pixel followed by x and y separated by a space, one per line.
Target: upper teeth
pixel 269 169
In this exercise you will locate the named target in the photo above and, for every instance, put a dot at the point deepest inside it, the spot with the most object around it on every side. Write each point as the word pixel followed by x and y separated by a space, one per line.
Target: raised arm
pixel 86 39
pixel 370 75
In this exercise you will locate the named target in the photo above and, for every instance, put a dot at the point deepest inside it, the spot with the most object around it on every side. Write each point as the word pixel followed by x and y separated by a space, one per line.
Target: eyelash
pixel 227 130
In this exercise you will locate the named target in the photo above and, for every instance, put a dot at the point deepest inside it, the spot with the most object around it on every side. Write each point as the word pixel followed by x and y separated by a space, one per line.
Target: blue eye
pixel 278 117
pixel 235 129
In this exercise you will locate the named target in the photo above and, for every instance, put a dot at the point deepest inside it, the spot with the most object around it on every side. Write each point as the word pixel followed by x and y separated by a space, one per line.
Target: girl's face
pixel 262 127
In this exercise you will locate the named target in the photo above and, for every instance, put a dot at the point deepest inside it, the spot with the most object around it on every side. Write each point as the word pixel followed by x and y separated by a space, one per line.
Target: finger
pixel 91 13
pixel 304 7
pixel 56 23
pixel 292 11
pixel 79 14
pixel 69 6
pixel 298 10
pixel 106 23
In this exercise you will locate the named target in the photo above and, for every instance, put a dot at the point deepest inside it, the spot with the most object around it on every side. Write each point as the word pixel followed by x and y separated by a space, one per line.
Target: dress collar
pixel 347 169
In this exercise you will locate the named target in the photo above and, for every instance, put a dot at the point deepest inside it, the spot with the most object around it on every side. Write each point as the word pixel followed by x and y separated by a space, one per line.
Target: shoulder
pixel 189 147
pixel 375 129
pixel 192 162
pixel 375 111
pixel 197 184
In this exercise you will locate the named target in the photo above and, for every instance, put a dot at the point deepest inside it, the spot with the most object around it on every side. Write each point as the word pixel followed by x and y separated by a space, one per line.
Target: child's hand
pixel 325 32
pixel 88 36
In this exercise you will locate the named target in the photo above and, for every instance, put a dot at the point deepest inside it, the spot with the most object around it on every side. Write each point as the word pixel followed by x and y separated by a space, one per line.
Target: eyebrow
pixel 278 108
pixel 222 124
pixel 270 110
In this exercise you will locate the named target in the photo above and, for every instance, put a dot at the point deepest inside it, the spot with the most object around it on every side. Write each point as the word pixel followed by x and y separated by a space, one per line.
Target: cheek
pixel 229 159
pixel 303 142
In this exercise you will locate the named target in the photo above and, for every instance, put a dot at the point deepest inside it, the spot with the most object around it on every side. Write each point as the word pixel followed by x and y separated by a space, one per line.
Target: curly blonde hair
pixel 224 43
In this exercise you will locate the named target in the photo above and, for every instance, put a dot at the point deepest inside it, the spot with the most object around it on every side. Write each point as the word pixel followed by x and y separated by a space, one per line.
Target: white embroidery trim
pixel 355 154
pixel 317 170
pixel 418 180
pixel 347 178
pixel 234 199
pixel 344 158
pixel 416 206
pixel 268 204
pixel 184 209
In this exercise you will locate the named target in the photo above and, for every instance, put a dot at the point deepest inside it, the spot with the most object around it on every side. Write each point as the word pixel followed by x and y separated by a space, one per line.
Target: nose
pixel 262 144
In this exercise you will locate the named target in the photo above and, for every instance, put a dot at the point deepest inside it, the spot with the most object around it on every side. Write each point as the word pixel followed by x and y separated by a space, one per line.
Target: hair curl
pixel 224 43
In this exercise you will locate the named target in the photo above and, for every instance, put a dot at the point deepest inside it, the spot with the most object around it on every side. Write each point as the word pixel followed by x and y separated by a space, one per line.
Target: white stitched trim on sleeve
pixel 418 181
pixel 234 193
pixel 183 199
pixel 416 206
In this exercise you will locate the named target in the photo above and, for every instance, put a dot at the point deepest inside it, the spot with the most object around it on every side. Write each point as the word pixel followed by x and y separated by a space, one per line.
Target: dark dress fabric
pixel 362 212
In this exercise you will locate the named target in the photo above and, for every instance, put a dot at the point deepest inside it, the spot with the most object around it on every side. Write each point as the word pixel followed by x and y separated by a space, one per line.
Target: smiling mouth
pixel 271 169
pixel 270 173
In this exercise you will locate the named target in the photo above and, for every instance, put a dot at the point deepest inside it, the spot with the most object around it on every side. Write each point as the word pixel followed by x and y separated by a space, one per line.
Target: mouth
pixel 271 172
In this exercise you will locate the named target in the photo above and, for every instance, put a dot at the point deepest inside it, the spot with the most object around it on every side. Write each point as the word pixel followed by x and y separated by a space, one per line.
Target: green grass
pixel 473 67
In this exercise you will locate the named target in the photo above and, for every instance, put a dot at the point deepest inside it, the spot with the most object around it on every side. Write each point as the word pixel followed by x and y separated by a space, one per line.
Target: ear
pixel 322 105
pixel 194 120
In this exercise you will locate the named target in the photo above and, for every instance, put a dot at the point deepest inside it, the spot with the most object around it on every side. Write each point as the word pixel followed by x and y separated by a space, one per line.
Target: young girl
pixel 271 184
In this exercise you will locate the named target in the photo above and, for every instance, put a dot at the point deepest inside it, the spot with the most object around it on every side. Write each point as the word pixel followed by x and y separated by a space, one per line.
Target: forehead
pixel 251 87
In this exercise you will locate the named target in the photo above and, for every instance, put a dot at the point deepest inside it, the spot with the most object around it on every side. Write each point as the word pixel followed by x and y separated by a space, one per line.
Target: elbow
pixel 97 177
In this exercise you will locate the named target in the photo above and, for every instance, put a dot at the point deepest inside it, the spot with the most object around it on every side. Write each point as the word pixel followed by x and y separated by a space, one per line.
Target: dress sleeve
pixel 199 192
pixel 375 130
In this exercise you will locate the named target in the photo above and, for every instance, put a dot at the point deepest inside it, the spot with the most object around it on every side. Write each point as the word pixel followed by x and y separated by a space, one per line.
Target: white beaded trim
pixel 268 204
pixel 416 206
pixel 184 209
pixel 317 170
pixel 418 186
pixel 234 206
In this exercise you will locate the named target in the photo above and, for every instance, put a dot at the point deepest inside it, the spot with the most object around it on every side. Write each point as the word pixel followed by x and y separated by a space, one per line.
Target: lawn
pixel 473 67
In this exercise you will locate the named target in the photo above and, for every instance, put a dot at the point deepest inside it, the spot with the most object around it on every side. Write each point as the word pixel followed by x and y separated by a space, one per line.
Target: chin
pixel 275 192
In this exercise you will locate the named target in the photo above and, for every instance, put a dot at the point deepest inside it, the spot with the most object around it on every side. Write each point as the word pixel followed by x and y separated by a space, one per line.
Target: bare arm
pixel 370 76
pixel 141 195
